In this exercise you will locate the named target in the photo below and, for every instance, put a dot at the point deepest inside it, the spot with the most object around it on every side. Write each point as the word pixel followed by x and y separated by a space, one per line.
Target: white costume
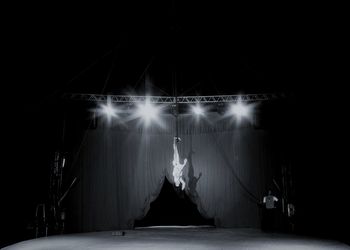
pixel 178 167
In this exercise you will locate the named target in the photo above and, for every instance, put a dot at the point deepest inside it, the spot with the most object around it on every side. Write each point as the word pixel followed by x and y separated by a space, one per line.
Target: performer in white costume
pixel 178 167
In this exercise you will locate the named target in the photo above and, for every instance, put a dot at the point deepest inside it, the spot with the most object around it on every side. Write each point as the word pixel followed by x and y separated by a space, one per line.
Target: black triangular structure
pixel 173 207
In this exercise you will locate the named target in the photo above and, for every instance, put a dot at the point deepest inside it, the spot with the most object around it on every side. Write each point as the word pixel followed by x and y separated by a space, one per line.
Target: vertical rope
pixel 176 104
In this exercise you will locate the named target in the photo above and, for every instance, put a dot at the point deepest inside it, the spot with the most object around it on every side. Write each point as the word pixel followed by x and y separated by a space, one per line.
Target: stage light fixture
pixel 198 110
pixel 148 112
pixel 240 110
pixel 108 110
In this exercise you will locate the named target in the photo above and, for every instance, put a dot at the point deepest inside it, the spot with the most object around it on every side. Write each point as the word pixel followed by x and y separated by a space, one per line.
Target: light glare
pixel 198 110
pixel 240 110
pixel 109 110
pixel 148 112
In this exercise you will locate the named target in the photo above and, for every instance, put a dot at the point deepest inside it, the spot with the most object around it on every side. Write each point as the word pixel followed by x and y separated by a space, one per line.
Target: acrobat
pixel 178 167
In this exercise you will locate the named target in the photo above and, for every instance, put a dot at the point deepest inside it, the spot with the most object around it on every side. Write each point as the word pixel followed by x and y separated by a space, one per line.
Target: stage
pixel 179 238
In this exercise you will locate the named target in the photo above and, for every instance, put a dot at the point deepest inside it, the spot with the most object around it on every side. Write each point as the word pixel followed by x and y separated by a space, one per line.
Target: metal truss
pixel 172 99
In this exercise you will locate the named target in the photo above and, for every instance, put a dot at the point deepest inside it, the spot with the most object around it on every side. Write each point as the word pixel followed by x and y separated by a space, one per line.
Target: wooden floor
pixel 179 238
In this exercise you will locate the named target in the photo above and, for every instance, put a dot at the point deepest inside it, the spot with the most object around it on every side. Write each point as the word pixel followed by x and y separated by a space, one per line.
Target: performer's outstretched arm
pixel 176 152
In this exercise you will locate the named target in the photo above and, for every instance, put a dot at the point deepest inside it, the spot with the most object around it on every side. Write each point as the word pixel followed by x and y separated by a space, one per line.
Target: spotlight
pixel 148 112
pixel 198 110
pixel 241 110
pixel 109 110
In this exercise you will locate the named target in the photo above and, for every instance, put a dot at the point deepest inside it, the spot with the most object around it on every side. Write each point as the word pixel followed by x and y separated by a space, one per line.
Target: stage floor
pixel 179 238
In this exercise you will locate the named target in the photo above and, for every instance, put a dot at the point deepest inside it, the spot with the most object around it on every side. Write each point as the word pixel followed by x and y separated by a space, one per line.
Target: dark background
pixel 217 49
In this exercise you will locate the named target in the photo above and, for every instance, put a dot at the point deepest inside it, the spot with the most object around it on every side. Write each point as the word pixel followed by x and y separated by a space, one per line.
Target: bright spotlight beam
pixel 108 110
pixel 148 112
pixel 198 110
pixel 240 110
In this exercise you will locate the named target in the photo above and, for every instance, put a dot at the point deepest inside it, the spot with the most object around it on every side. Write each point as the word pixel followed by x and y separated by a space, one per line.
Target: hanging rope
pixel 176 118
pixel 176 104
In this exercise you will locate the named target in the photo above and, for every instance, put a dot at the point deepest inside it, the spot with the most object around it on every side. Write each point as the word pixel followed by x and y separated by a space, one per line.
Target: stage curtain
pixel 121 168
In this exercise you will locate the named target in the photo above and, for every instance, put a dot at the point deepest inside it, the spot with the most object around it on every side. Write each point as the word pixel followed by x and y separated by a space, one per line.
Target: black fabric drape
pixel 121 169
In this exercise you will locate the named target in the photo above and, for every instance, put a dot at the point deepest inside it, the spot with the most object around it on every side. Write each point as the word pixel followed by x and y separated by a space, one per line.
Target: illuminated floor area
pixel 179 238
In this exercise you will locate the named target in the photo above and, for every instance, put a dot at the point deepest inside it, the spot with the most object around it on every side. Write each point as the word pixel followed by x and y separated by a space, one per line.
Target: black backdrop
pixel 121 169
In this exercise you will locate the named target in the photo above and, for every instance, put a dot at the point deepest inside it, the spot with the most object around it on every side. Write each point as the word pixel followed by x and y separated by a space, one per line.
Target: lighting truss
pixel 172 99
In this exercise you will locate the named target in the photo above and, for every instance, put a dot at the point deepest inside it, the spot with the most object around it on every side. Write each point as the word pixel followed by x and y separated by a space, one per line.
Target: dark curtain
pixel 121 168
